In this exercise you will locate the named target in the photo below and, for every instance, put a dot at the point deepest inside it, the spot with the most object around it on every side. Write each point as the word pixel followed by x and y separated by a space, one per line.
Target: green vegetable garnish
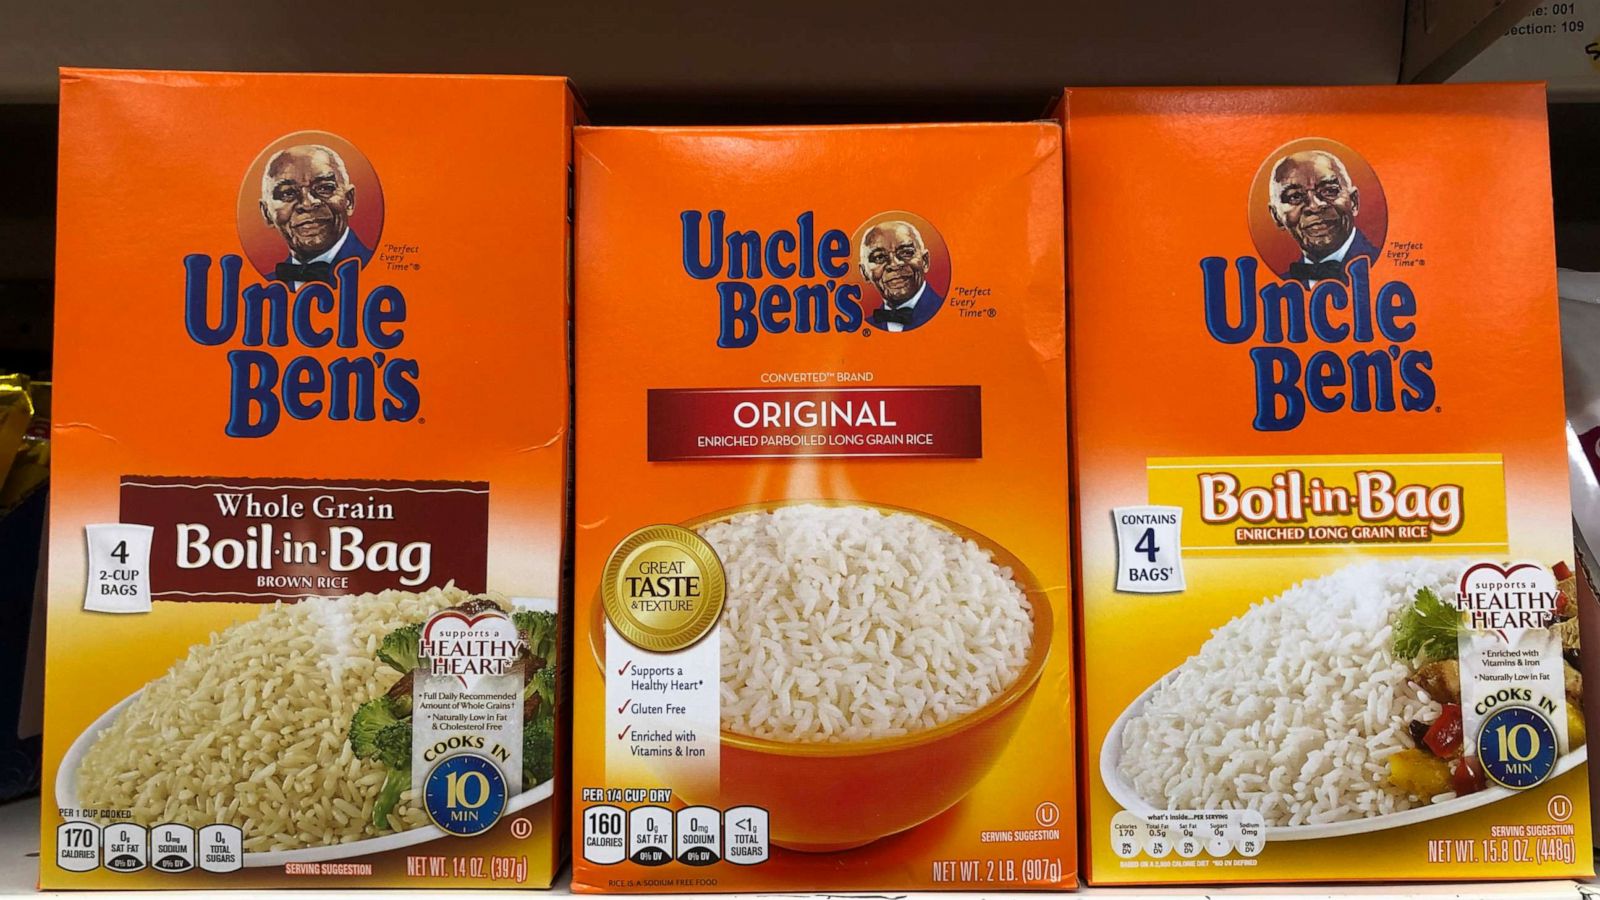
pixel 394 784
pixel 538 751
pixel 399 648
pixel 369 722
pixel 538 628
pixel 1427 629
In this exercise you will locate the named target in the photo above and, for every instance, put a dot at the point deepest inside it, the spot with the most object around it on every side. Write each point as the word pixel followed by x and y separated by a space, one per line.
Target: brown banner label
pixel 264 539
pixel 944 421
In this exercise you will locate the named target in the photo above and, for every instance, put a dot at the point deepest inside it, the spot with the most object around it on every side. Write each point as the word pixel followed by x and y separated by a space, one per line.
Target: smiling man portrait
pixel 1313 199
pixel 895 261
pixel 307 196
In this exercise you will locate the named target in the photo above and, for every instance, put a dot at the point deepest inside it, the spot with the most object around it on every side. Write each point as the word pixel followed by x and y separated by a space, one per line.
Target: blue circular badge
pixel 1517 747
pixel 464 794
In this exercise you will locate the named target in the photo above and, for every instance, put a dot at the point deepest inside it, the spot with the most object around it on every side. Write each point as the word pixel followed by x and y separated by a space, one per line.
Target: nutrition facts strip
pixel 169 847
pixel 1188 834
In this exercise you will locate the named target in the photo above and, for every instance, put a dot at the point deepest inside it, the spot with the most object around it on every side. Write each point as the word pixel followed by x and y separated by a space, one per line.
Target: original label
pixel 268 539
pixel 943 422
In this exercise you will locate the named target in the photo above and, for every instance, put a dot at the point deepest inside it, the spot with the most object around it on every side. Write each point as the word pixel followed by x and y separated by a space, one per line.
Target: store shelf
pixel 721 59
pixel 19 864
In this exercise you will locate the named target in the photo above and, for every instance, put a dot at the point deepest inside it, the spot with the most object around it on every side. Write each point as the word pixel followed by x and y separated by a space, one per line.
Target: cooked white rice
pixel 250 728
pixel 846 623
pixel 1292 708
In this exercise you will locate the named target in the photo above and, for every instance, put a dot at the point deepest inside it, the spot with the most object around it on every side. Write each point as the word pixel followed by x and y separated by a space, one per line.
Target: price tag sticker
pixel 1149 549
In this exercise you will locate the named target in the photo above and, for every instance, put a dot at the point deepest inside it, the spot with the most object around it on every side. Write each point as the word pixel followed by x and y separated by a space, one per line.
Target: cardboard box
pixel 1325 552
pixel 823 631
pixel 310 452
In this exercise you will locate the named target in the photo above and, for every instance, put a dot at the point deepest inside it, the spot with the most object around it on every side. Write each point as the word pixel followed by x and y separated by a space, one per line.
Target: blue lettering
pixel 775 309
pixel 400 380
pixel 691 244
pixel 1396 302
pixel 1277 376
pixel 1214 272
pixel 302 376
pixel 195 269
pixel 255 374
pixel 738 315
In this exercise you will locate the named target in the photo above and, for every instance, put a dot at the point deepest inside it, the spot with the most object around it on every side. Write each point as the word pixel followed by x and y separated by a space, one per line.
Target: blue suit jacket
pixel 1358 248
pixel 352 247
pixel 926 306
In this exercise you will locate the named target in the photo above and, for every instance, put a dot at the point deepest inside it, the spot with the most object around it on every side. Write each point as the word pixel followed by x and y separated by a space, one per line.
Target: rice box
pixel 310 461
pixel 822 636
pixel 1326 567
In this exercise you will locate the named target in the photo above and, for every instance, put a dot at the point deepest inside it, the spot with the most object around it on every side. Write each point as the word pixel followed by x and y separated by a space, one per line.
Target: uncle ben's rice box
pixel 1325 558
pixel 822 636
pixel 308 530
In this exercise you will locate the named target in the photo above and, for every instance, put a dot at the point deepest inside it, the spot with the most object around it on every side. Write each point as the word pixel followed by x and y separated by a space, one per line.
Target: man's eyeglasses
pixel 289 192
pixel 881 257
pixel 1329 191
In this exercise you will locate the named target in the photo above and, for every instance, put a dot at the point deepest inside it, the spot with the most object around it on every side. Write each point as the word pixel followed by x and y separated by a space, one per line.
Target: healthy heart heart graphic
pixel 1508 600
pixel 470 647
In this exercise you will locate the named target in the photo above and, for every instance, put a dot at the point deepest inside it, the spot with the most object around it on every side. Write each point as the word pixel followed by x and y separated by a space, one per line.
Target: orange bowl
pixel 834 796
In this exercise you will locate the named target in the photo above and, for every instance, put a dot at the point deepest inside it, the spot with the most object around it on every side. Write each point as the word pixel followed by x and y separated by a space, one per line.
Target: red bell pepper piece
pixel 1467 776
pixel 1444 735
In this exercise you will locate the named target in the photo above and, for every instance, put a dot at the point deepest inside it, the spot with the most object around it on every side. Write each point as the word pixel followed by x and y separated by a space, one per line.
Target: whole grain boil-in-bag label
pixel 1326 577
pixel 307 545
pixel 824 637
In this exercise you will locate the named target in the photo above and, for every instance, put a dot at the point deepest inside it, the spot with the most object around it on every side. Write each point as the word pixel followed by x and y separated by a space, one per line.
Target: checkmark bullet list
pixel 624 706
pixel 624 732
pixel 624 669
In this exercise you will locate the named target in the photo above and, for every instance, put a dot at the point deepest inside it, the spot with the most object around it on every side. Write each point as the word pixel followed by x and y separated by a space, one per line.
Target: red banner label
pixel 944 422
pixel 241 540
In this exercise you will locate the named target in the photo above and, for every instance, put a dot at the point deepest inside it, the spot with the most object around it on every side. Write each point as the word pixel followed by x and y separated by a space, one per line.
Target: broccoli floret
pixel 394 784
pixel 394 745
pixel 399 648
pixel 538 629
pixel 371 718
pixel 538 751
pixel 543 683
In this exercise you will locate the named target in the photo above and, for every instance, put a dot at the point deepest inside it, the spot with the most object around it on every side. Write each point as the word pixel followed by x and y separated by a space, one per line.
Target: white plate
pixel 67 792
pixel 1124 793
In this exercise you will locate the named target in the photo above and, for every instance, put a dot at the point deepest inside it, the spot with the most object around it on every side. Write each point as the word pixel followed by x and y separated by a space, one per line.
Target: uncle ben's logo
pixel 310 210
pixel 1319 220
pixel 801 279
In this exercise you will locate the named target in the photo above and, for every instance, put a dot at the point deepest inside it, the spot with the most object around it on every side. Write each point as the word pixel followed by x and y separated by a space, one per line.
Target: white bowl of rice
pixel 877 653
pixel 1292 710
pixel 249 729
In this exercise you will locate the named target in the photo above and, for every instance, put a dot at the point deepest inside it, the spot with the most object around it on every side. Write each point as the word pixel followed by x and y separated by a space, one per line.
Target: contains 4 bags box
pixel 310 475
pixel 823 636
pixel 1325 555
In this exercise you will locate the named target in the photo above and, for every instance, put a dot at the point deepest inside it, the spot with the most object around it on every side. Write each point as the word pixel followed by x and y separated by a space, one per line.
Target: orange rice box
pixel 310 469
pixel 1325 562
pixel 822 639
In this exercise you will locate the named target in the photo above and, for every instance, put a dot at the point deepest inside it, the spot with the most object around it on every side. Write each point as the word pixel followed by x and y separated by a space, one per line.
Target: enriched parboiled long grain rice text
pixel 846 623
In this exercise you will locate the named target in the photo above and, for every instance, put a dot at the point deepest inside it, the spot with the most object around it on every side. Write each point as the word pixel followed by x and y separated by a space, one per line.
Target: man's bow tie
pixel 1327 270
pixel 883 315
pixel 317 271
